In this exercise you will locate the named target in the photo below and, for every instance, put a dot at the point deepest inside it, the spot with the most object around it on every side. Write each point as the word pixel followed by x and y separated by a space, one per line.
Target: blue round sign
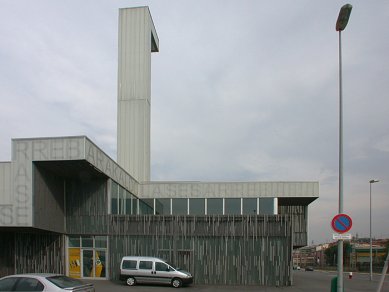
pixel 341 223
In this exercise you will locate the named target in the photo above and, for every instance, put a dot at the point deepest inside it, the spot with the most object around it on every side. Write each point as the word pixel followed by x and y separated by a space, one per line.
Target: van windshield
pixel 173 266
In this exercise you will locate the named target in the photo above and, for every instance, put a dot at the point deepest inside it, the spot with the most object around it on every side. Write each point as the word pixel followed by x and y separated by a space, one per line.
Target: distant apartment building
pixel 356 255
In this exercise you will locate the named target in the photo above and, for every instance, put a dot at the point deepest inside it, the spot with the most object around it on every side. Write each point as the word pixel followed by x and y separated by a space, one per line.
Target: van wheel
pixel 176 283
pixel 131 281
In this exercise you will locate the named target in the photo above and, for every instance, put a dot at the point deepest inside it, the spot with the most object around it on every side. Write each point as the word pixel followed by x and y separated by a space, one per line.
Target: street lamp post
pixel 371 241
pixel 341 23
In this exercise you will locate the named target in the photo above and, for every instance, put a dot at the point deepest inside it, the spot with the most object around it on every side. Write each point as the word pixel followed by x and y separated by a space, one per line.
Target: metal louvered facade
pixel 227 250
pixel 71 189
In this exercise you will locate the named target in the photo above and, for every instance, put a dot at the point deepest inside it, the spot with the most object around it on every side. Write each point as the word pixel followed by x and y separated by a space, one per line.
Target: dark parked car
pixel 43 282
pixel 309 268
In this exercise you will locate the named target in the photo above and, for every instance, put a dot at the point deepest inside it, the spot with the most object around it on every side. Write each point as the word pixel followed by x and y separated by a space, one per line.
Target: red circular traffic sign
pixel 341 223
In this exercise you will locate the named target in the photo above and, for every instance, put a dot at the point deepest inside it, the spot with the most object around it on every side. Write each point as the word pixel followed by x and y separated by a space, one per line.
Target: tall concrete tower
pixel 137 39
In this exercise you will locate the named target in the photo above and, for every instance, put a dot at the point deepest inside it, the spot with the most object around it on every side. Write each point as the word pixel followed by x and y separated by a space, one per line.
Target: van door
pixel 162 273
pixel 146 272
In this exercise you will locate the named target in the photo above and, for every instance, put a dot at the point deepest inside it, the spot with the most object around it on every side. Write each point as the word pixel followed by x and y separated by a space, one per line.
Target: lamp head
pixel 344 15
pixel 373 181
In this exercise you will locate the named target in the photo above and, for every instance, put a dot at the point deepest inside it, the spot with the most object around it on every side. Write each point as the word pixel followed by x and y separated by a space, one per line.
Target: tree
pixel 332 252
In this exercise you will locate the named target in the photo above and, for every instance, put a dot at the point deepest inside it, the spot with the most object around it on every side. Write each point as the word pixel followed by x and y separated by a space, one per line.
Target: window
pixel 266 206
pixel 29 284
pixel 87 241
pixel 7 284
pixel 129 265
pixel 122 198
pixel 162 267
pixel 249 206
pixel 101 241
pixel 162 206
pixel 65 282
pixel 145 265
pixel 215 206
pixel 88 259
pixel 134 205
pixel 197 206
pixel 114 198
pixel 128 203
pixel 180 206
pixel 125 203
pixel 146 206
pixel 232 206
pixel 74 241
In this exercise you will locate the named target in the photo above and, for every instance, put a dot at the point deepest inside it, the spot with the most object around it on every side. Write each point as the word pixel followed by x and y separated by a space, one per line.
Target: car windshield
pixel 172 266
pixel 65 282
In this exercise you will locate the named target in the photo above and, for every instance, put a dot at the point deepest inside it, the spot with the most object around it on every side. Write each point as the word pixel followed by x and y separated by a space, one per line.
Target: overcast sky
pixel 241 91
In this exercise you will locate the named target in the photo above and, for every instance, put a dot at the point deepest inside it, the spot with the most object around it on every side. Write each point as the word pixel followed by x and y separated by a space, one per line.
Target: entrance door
pixel 100 264
pixel 93 263
pixel 87 263
pixel 87 256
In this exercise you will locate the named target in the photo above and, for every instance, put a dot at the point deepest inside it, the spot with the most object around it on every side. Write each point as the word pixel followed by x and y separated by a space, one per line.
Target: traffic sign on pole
pixel 338 236
pixel 341 223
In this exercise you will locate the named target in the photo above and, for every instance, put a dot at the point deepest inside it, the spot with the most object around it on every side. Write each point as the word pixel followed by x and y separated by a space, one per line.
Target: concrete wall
pixel 17 194
pixel 6 200
pixel 309 190
pixel 49 197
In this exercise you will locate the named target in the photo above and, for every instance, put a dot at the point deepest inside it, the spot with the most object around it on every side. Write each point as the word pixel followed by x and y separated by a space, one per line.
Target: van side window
pixel 129 265
pixel 146 265
pixel 162 267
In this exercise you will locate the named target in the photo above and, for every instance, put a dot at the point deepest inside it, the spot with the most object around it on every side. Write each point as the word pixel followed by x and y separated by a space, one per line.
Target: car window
pixel 65 282
pixel 7 284
pixel 129 265
pixel 146 265
pixel 161 267
pixel 29 284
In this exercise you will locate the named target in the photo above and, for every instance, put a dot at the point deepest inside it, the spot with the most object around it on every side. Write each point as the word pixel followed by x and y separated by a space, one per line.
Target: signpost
pixel 346 236
pixel 341 223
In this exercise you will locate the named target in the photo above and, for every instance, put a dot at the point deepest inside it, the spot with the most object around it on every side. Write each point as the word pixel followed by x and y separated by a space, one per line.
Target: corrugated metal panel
pixel 86 206
pixel 7 253
pixel 26 252
pixel 136 31
pixel 224 250
pixel 299 217
pixel 39 252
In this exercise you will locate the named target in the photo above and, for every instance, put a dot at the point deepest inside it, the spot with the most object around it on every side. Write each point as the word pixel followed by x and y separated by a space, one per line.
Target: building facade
pixel 67 207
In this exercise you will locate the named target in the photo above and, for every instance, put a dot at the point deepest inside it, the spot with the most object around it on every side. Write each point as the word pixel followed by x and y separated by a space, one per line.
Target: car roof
pixel 35 275
pixel 142 258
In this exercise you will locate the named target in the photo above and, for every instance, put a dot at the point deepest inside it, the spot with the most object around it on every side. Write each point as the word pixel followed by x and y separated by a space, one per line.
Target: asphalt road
pixel 316 281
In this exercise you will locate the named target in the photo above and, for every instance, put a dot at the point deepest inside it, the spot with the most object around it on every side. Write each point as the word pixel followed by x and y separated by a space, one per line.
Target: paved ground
pixel 316 281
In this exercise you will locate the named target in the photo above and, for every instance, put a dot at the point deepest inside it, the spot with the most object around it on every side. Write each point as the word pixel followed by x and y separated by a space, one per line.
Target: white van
pixel 153 271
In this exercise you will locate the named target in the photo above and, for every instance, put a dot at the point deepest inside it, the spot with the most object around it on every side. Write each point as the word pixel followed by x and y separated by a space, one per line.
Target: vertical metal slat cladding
pixel 218 249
